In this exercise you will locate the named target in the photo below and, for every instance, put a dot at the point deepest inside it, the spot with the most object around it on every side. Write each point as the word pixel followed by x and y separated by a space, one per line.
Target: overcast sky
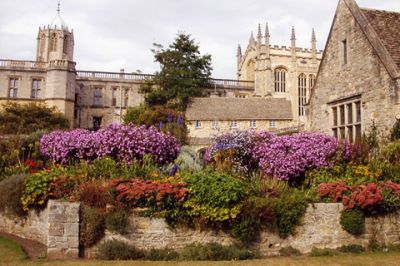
pixel 115 34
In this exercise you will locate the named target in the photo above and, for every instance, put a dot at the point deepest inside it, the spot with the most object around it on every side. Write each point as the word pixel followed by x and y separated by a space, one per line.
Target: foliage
pixel 92 225
pixel 117 221
pixel 184 74
pixel 214 196
pixel 164 254
pixel 353 221
pixel 28 118
pixel 65 187
pixel 214 251
pixel 166 119
pixel 37 188
pixel 232 151
pixel 395 131
pixel 147 193
pixel 120 142
pixel 10 193
pixel 351 249
pixel 188 160
pixel 118 250
pixel 288 157
pixel 94 195
pixel 289 251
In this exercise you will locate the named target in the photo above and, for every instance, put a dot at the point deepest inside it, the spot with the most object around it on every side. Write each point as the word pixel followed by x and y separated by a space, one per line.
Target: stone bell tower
pixel 55 49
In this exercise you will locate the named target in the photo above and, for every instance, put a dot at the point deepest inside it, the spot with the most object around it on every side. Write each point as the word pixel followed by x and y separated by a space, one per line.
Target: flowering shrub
pixel 148 193
pixel 234 150
pixel 33 166
pixel 288 157
pixel 367 197
pixel 120 142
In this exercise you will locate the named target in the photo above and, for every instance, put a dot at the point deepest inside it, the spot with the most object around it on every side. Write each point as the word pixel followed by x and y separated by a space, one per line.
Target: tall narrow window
pixel 97 122
pixel 126 97
pixel 97 100
pixel 302 89
pixel 347 121
pixel 311 81
pixel 197 124
pixel 13 88
pixel 114 97
pixel 215 124
pixel 233 124
pixel 272 124
pixel 65 44
pixel 53 42
pixel 280 80
pixel 344 51
pixel 253 123
pixel 36 87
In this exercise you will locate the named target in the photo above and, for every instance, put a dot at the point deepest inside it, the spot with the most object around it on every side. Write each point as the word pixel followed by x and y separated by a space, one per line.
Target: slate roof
pixel 225 108
pixel 387 25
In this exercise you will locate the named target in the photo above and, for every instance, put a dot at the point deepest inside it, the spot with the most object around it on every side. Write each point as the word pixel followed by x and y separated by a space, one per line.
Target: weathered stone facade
pixel 357 79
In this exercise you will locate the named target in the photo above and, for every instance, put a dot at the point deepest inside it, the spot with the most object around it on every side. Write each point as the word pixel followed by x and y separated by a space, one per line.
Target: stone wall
pixel 56 226
pixel 320 228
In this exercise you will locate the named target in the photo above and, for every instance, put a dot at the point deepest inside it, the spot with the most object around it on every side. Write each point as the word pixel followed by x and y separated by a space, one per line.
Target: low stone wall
pixel 320 227
pixel 56 226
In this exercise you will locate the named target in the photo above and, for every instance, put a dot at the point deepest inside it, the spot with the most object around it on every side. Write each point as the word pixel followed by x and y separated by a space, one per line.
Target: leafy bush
pixel 28 118
pixel 289 157
pixel 65 187
pixel 118 250
pixel 289 251
pixel 10 195
pixel 94 195
pixel 395 131
pixel 120 142
pixel 148 193
pixel 214 196
pixel 91 226
pixel 351 249
pixel 166 119
pixel 37 188
pixel 164 254
pixel 323 252
pixel 353 221
pixel 117 221
pixel 214 251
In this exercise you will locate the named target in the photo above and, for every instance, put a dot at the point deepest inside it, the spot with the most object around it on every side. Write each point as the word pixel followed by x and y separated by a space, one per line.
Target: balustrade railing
pixel 4 63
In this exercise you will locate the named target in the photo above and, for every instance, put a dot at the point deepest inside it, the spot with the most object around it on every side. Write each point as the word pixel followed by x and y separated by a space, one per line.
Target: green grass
pixel 10 252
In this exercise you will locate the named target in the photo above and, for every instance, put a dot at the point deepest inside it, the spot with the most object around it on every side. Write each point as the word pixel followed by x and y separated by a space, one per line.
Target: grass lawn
pixel 12 254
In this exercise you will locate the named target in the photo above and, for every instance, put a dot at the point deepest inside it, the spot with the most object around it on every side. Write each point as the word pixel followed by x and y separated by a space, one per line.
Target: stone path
pixel 33 249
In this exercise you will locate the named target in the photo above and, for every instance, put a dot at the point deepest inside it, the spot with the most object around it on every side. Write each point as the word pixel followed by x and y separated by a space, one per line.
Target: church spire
pixel 58 8
pixel 313 46
pixel 293 37
pixel 259 39
pixel 252 41
pixel 293 44
pixel 239 51
pixel 267 39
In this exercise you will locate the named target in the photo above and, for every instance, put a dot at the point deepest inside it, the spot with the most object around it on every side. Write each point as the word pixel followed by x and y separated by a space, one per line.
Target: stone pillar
pixel 63 235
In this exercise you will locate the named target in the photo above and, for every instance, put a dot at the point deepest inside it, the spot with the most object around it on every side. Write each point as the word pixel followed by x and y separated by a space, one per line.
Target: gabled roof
pixel 225 108
pixel 377 27
pixel 387 25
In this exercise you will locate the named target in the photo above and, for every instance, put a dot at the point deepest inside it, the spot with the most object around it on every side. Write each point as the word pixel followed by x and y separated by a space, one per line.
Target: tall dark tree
pixel 184 73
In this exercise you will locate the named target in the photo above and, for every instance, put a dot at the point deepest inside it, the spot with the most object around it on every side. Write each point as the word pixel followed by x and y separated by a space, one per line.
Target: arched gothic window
pixel 65 44
pixel 250 70
pixel 53 42
pixel 302 87
pixel 280 79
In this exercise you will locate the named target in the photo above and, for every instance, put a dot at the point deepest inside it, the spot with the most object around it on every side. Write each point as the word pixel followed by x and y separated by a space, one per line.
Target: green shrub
pixel 117 221
pixel 323 252
pixel 214 196
pixel 164 254
pixel 352 249
pixel 353 221
pixel 395 131
pixel 91 226
pixel 214 251
pixel 37 188
pixel 289 251
pixel 188 160
pixel 118 250
pixel 11 190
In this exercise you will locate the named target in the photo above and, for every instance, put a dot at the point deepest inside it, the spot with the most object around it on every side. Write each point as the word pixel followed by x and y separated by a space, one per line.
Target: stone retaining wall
pixel 57 226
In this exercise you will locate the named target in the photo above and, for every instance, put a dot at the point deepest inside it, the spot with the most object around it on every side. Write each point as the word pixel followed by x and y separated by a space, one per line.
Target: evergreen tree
pixel 184 73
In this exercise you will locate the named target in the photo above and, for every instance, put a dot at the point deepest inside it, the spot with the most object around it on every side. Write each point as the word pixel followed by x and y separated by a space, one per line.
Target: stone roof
pixel 225 108
pixel 387 26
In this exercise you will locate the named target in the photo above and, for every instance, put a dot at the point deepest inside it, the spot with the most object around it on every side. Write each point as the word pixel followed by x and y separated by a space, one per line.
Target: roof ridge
pixel 379 10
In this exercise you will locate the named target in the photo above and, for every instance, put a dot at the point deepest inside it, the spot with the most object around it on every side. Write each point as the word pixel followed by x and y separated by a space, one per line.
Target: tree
pixel 27 118
pixel 184 73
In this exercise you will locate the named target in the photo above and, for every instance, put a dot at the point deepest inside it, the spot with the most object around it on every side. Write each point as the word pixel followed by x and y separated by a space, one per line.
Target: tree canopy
pixel 184 73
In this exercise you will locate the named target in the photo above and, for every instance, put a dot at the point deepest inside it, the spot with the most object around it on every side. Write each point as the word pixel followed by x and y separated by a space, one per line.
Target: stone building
pixel 358 81
pixel 280 71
